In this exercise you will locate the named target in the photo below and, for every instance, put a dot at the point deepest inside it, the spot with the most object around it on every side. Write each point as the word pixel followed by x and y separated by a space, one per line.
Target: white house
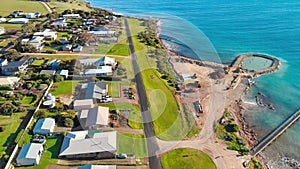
pixel 18 20
pixel 78 48
pixel 48 34
pixel 67 47
pixel 94 118
pixel 2 30
pixel 91 166
pixel 61 22
pixel 37 42
pixel 30 154
pixel 2 20
pixel 104 61
pixel 44 126
pixel 103 33
pixel 9 81
pixel 64 73
pixel 71 16
pixel 100 71
pixel 83 104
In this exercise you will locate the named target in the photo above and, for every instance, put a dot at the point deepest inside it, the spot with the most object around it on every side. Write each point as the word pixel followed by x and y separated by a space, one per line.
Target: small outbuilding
pixel 44 126
pixel 30 154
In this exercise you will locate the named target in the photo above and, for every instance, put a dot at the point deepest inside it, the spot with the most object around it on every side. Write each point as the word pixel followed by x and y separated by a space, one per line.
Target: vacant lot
pixel 27 100
pixel 113 49
pixel 8 6
pixel 187 158
pixel 72 4
pixel 64 88
pixel 132 144
pixel 114 89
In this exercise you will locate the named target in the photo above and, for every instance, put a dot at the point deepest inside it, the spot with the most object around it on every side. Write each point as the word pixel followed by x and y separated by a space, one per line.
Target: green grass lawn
pixel 169 123
pixel 114 89
pixel 62 6
pixel 8 6
pixel 27 100
pixel 59 57
pixel 50 155
pixel 64 88
pixel 113 49
pixel 9 124
pixel 10 26
pixel 38 62
pixel 132 144
pixel 135 119
pixel 184 158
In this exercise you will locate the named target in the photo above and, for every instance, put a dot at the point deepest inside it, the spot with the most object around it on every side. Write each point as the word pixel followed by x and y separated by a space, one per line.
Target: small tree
pixel 8 108
pixel 68 122
pixel 40 114
pixel 58 78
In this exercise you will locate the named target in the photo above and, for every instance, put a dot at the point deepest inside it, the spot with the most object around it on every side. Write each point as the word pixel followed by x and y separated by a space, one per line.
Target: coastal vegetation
pixel 254 164
pixel 227 130
pixel 187 158
pixel 60 6
pixel 168 119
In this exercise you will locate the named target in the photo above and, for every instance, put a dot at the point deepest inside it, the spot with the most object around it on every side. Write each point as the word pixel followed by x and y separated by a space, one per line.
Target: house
pixel 71 16
pixel 3 62
pixel 44 126
pixel 2 20
pixel 9 81
pixel 60 22
pixel 49 72
pixel 101 71
pixel 78 48
pixel 103 28
pixel 2 30
pixel 94 118
pixel 63 41
pixel 48 34
pixel 95 90
pixel 83 104
pixel 103 33
pixel 33 15
pixel 104 61
pixel 67 47
pixel 85 145
pixel 50 101
pixel 64 73
pixel 30 154
pixel 91 166
pixel 16 14
pixel 18 20
pixel 109 40
pixel 16 66
pixel 37 42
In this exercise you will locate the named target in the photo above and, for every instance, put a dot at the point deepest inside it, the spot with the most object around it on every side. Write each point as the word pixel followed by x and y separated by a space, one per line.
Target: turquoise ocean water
pixel 234 27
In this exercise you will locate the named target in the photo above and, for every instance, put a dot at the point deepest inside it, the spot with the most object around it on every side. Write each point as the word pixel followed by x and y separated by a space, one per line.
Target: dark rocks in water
pixel 264 101
pixel 291 162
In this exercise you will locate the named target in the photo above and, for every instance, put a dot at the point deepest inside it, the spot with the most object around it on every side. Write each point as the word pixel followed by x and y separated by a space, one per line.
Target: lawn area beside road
pixel 56 56
pixel 132 144
pixel 50 156
pixel 112 49
pixel 11 26
pixel 187 158
pixel 168 122
pixel 27 100
pixel 114 89
pixel 8 6
pixel 64 88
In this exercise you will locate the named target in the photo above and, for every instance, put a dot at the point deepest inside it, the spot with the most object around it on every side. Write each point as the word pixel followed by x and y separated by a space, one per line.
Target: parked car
pixel 122 156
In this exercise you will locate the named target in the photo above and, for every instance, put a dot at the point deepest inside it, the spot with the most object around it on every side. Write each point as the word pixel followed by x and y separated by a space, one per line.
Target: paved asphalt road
pixel 154 161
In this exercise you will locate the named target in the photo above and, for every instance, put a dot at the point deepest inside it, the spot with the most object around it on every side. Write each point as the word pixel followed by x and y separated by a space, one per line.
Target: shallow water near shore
pixel 233 28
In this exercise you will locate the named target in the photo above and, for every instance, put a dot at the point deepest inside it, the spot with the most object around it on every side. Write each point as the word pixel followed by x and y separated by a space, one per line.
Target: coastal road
pixel 154 161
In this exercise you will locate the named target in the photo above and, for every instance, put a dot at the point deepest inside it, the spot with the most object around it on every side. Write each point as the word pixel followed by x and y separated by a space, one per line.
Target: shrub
pixel 68 122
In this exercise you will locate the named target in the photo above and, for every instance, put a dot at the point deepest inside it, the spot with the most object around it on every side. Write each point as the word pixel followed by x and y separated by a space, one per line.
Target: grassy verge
pixel 187 158
pixel 8 6
pixel 135 119
pixel 59 57
pixel 27 100
pixel 113 49
pixel 227 130
pixel 132 144
pixel 114 89
pixel 169 122
pixel 38 62
pixel 64 88
pixel 11 26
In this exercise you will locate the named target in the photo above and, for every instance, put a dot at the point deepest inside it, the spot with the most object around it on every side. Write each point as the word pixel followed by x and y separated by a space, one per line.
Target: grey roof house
pixel 83 104
pixel 30 154
pixel 95 90
pixel 44 126
pixel 15 66
pixel 94 118
pixel 83 145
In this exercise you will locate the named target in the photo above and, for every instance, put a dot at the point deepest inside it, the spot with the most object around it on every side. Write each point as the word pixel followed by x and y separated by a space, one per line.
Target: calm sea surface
pixel 218 29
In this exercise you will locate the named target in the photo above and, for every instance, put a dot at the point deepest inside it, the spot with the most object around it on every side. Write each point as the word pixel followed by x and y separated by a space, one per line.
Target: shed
pixel 83 104
pixel 44 126
pixel 30 154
